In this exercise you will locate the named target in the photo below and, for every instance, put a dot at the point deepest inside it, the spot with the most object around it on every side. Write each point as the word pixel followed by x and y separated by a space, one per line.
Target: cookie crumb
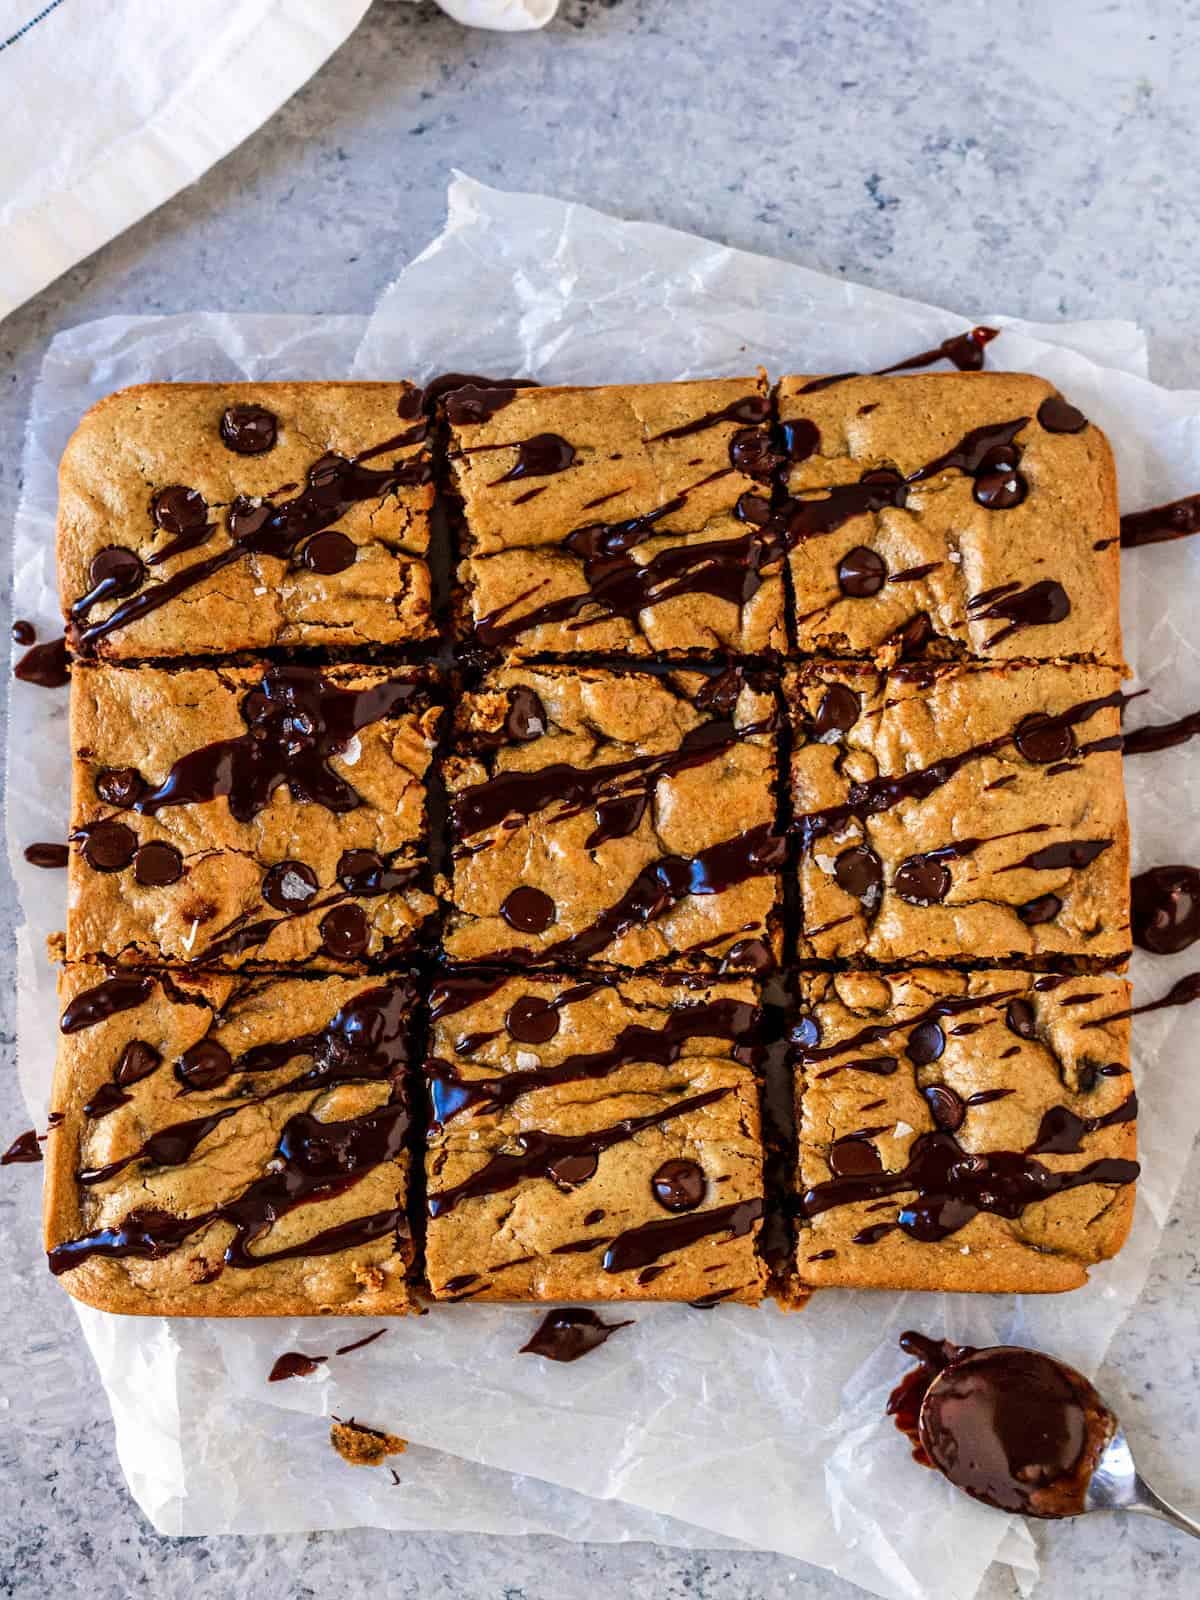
pixel 362 1446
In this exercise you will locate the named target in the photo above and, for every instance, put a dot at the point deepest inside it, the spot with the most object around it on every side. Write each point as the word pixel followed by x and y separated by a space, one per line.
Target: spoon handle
pixel 1152 1504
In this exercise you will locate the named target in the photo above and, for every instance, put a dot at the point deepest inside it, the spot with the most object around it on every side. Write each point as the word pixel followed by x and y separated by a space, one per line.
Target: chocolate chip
pixel 204 1065
pixel 361 872
pixel 530 1020
pixel 998 484
pixel 859 872
pixel 345 932
pixel 528 910
pixel 1042 909
pixel 109 846
pixel 679 1185
pixel 328 553
pixel 854 1157
pixel 568 1172
pixel 925 1044
pixel 945 1106
pixel 118 569
pixel 527 719
pixel 157 864
pixel 1044 739
pixel 1057 415
pixel 861 573
pixel 837 713
pixel 138 1060
pixel 922 881
pixel 249 430
pixel 1020 1018
pixel 289 886
pixel 178 509
pixel 119 786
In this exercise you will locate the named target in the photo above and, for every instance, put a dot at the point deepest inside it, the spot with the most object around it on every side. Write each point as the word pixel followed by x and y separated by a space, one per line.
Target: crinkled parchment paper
pixel 691 1427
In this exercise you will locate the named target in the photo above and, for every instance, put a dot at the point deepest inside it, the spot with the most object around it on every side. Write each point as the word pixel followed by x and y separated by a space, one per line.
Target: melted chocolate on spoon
pixel 1011 1427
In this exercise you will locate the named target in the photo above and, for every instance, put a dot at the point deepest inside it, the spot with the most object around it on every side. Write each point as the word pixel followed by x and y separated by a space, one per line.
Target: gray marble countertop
pixel 1036 158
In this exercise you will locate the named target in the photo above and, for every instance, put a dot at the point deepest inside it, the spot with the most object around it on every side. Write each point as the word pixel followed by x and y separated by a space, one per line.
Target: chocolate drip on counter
pixel 23 632
pixel 661 1046
pixel 46 665
pixel 659 886
pixel 24 1148
pixel 953 1185
pixel 1162 736
pixel 963 350
pixel 296 721
pixel 334 485
pixel 1011 1427
pixel 639 1247
pixel 313 1161
pixel 1165 911
pixel 541 1152
pixel 874 795
pixel 570 1333
pixel 1161 524
pixel 294 1364
pixel 47 855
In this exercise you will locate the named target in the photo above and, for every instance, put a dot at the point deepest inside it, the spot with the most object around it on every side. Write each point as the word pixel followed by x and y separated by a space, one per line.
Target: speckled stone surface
pixel 1031 158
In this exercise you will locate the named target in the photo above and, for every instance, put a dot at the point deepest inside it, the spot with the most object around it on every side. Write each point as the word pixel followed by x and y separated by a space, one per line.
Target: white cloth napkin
pixel 109 107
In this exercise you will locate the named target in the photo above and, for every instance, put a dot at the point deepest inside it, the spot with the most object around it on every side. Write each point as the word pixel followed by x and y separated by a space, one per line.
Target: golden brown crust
pixel 240 1014
pixel 148 719
pixel 1065 530
pixel 546 1240
pixel 142 440
pixel 636 454
pixel 1072 1028
pixel 1004 799
pixel 549 840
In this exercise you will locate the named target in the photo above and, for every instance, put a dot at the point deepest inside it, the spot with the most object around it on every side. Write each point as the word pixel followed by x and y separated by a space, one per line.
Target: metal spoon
pixel 1117 1485
pixel 1023 1432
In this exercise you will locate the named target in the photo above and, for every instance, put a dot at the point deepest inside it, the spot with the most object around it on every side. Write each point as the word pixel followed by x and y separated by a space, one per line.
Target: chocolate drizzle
pixel 660 1046
pixel 639 1247
pixel 963 350
pixel 296 720
pixel 539 1152
pixel 950 1185
pixel 1162 736
pixel 24 1148
pixel 335 484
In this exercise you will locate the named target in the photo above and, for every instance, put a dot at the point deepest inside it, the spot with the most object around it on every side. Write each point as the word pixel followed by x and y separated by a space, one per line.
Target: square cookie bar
pixel 235 816
pixel 229 1146
pixel 608 519
pixel 963 813
pixel 962 1130
pixel 204 519
pixel 968 514
pixel 616 819
pixel 593 1140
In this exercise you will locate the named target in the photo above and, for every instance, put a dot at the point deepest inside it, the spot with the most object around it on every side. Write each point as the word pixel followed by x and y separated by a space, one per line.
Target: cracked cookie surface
pixel 593 1140
pixel 608 519
pixel 615 819
pixel 953 515
pixel 236 815
pixel 229 1146
pixel 206 519
pixel 960 813
pixel 962 1131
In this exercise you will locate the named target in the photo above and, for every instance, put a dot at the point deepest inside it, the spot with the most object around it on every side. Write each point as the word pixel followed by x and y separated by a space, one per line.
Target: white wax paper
pixel 691 1427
